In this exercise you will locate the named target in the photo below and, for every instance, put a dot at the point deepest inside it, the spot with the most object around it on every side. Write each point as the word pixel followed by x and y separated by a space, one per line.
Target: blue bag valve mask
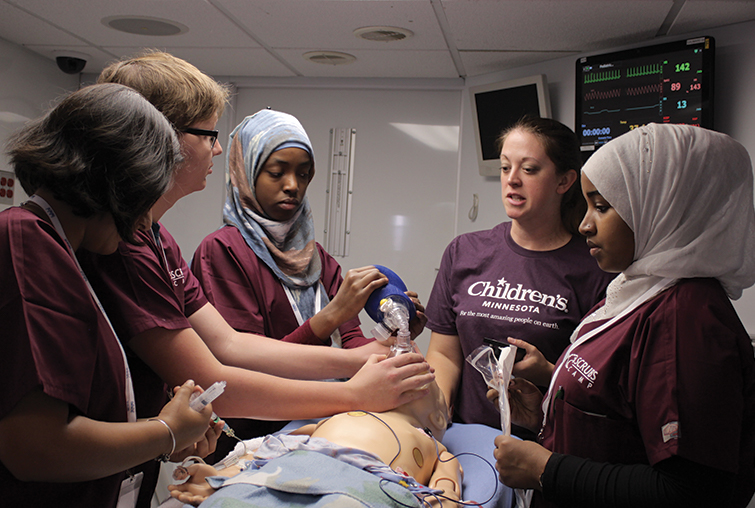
pixel 392 310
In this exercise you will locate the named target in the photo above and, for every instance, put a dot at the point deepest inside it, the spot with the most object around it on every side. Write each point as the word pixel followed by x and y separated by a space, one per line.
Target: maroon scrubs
pixel 249 295
pixel 676 377
pixel 144 287
pixel 252 299
pixel 55 339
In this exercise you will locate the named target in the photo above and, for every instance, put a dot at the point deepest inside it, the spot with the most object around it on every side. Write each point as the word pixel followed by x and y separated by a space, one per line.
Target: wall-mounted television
pixel 497 106
pixel 663 83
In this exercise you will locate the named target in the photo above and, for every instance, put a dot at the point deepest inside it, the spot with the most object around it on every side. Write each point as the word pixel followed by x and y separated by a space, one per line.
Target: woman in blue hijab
pixel 264 271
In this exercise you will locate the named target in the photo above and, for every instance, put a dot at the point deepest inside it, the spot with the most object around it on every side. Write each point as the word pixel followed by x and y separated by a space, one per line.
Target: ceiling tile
pixel 266 38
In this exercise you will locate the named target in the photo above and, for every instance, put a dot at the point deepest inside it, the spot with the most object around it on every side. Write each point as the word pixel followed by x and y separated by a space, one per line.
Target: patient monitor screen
pixel 665 83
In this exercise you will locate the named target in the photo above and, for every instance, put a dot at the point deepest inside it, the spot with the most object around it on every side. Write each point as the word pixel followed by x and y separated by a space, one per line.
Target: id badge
pixel 130 490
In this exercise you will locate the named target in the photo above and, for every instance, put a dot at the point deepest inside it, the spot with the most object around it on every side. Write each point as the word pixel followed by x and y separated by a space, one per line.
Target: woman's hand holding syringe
pixel 198 401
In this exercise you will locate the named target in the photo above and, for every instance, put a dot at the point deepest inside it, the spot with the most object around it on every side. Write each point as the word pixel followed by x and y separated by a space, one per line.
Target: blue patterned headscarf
pixel 287 248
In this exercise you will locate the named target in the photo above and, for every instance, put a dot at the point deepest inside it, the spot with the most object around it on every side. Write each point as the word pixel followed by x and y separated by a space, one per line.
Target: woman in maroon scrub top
pixel 94 166
pixel 653 404
pixel 263 271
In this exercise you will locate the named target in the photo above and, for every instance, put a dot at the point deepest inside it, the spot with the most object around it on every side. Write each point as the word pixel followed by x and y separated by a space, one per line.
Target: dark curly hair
pixel 562 148
pixel 102 149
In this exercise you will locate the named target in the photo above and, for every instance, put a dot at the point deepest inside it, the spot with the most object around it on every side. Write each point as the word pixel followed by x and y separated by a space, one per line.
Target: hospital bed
pixel 471 443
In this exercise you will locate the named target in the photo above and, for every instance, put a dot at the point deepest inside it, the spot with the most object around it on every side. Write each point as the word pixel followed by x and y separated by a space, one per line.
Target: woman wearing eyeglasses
pixel 93 167
pixel 195 141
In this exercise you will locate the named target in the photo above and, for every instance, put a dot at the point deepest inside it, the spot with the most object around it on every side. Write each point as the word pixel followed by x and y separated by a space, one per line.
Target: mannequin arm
pixel 446 477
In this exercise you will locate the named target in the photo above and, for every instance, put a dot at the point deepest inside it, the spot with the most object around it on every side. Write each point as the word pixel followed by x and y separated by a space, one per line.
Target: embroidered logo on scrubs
pixel 580 369
pixel 523 299
pixel 670 431
pixel 176 275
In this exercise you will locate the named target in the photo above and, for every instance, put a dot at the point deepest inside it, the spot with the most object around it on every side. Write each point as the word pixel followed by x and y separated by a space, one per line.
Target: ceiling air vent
pixel 142 25
pixel 329 57
pixel 383 33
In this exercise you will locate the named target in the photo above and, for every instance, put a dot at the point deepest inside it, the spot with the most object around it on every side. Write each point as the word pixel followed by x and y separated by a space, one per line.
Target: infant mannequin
pixel 406 438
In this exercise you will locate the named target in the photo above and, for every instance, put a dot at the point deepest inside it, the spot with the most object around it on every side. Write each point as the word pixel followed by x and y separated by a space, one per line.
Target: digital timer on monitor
pixel 664 83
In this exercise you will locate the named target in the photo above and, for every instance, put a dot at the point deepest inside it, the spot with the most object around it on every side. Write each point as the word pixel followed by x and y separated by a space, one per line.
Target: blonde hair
pixel 183 93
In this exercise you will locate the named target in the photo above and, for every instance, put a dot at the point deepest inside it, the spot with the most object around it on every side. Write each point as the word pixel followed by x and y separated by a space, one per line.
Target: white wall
pixel 29 84
pixel 734 113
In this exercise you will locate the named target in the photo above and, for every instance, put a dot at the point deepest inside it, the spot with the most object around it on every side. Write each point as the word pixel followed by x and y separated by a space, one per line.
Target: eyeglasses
pixel 213 135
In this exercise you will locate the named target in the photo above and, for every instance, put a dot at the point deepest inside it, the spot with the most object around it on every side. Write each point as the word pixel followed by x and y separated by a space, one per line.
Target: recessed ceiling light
pixel 143 25
pixel 383 33
pixel 329 57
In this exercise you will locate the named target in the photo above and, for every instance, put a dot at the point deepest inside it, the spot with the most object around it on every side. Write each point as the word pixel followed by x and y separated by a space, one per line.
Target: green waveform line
pixel 644 70
pixel 597 77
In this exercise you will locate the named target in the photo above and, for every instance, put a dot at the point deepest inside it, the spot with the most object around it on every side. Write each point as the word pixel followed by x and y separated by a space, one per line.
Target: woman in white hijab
pixel 653 404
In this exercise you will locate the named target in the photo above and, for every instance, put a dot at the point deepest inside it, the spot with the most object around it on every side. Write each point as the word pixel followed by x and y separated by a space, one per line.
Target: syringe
pixel 198 401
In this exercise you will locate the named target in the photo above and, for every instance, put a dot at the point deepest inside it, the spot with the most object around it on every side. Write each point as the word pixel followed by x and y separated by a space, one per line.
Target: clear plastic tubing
pixel 396 316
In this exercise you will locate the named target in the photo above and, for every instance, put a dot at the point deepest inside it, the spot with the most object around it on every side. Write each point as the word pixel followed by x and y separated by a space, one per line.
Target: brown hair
pixel 562 148
pixel 179 90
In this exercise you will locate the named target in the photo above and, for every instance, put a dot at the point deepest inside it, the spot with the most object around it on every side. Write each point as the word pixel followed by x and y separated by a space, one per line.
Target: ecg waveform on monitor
pixel 644 70
pixel 594 95
pixel 597 77
pixel 641 90
pixel 665 83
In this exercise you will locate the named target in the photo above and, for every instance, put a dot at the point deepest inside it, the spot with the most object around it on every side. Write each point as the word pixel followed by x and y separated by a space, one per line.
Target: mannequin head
pixel 430 411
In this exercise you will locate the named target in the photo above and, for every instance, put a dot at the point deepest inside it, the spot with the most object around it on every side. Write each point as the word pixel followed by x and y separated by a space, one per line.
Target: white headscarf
pixel 687 194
